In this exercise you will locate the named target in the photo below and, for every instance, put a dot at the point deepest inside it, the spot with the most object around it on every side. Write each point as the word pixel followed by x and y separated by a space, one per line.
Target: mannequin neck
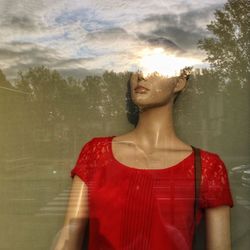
pixel 155 125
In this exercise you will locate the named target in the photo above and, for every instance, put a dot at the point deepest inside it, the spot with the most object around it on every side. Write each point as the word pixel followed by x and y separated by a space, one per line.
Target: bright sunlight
pixel 157 60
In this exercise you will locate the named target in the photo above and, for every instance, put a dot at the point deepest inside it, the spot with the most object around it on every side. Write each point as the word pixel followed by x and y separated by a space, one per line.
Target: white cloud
pixel 95 33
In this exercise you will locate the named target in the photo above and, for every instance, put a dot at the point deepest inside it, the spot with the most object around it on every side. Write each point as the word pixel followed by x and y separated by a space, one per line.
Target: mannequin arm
pixel 72 233
pixel 218 235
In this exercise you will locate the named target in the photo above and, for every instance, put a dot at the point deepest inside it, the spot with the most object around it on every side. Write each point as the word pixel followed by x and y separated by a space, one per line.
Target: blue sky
pixel 80 36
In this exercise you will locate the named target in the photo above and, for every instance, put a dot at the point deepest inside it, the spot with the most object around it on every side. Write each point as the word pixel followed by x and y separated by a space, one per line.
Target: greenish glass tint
pixel 46 117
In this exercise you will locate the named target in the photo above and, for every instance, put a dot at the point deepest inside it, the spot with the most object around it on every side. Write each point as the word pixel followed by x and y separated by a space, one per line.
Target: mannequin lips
pixel 140 88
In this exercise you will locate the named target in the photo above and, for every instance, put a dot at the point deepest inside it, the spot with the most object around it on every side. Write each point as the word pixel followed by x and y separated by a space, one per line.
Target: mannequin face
pixel 160 90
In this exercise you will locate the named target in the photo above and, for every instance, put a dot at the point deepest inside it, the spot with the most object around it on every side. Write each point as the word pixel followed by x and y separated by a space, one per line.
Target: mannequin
pixel 153 144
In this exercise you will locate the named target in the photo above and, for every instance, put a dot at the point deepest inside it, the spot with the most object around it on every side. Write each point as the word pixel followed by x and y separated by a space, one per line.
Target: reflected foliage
pixel 228 53
pixel 51 114
pixel 55 110
pixel 228 49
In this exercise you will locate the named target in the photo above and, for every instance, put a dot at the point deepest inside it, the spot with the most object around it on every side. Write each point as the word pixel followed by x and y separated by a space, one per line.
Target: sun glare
pixel 157 60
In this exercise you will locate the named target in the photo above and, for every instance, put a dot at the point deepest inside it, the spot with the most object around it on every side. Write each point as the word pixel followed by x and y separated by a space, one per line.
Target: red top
pixel 146 209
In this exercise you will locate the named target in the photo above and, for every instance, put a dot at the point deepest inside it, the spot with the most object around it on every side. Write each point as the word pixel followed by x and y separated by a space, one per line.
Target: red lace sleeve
pixel 84 164
pixel 215 190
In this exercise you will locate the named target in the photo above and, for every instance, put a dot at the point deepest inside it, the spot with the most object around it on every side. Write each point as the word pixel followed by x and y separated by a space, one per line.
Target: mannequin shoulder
pixel 212 161
pixel 99 142
pixel 209 156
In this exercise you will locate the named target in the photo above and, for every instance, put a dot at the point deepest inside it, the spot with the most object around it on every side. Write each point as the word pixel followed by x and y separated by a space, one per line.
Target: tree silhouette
pixel 228 54
pixel 229 48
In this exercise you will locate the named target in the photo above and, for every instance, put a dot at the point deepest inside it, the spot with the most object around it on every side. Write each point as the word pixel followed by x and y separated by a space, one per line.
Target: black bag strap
pixel 197 171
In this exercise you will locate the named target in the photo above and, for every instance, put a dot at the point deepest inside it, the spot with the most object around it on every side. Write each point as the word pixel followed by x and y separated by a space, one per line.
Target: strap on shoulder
pixel 197 171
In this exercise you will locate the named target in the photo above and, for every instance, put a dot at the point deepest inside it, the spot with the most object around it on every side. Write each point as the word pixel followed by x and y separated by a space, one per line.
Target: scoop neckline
pixel 180 163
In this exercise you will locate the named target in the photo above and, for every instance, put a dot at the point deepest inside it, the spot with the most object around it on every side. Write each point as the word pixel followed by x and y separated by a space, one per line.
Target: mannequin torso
pixel 128 195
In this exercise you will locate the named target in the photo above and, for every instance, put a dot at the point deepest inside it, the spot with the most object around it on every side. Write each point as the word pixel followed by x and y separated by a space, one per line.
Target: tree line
pixel 42 108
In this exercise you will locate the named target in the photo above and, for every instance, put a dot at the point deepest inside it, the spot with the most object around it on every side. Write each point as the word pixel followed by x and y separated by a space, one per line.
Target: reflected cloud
pixel 97 34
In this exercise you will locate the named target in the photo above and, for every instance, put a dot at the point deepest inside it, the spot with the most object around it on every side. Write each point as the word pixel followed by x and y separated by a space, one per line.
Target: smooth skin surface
pixel 72 233
pixel 218 234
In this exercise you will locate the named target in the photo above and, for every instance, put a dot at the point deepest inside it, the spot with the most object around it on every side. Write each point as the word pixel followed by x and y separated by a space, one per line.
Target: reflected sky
pixel 82 37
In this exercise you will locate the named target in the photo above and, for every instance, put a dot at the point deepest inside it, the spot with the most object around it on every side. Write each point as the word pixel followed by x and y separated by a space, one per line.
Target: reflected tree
pixel 227 52
pixel 67 111
pixel 228 49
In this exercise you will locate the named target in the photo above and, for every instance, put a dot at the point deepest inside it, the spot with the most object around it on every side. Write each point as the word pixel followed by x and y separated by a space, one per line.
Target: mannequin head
pixel 160 91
